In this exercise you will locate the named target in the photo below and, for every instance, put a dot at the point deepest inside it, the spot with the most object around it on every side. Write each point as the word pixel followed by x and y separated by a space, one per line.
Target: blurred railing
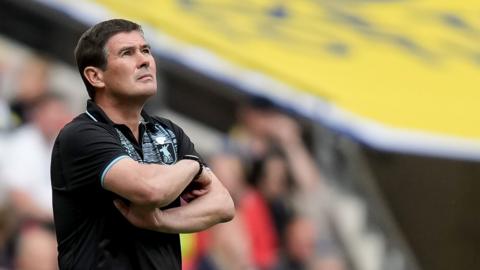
pixel 360 216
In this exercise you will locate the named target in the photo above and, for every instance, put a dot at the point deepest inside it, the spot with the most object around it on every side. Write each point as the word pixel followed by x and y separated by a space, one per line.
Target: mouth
pixel 145 77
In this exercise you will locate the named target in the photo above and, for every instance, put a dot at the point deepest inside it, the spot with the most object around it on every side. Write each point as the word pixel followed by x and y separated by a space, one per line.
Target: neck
pixel 122 113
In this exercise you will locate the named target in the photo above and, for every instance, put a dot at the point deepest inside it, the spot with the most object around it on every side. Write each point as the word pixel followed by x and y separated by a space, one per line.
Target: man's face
pixel 131 70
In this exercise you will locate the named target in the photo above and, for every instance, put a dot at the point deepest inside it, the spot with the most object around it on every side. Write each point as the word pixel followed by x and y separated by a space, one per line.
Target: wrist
pixel 200 165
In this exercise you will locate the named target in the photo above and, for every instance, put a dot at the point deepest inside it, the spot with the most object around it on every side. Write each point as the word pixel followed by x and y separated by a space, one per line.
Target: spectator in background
pixel 271 177
pixel 262 127
pixel 36 249
pixel 250 241
pixel 300 241
pixel 26 180
pixel 309 242
pixel 252 128
pixel 305 249
pixel 26 172
pixel 32 82
pixel 285 168
pixel 285 173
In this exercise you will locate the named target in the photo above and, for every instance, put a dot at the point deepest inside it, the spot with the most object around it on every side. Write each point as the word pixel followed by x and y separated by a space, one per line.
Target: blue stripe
pixel 110 166
pixel 91 116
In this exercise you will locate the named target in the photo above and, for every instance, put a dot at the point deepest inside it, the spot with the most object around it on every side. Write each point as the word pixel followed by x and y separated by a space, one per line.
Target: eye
pixel 126 53
pixel 146 50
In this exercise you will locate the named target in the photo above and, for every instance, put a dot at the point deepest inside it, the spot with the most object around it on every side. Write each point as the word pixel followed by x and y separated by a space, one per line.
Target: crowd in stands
pixel 280 196
pixel 30 122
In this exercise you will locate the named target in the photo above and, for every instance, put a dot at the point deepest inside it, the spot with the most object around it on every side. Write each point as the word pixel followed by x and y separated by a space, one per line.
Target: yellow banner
pixel 411 65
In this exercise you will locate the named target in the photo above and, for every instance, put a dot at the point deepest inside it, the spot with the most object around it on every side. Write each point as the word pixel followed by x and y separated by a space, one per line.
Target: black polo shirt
pixel 91 233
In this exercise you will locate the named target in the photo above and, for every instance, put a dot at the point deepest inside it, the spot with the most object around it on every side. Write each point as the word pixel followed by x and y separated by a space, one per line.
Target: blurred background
pixel 346 131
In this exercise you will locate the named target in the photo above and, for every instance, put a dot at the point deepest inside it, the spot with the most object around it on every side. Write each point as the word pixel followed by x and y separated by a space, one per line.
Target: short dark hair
pixel 90 49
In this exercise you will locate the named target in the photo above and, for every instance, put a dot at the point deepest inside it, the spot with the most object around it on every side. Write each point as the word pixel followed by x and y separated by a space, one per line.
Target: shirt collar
pixel 98 115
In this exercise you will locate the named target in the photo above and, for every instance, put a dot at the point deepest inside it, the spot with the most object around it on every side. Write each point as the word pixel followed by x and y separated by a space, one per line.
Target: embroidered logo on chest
pixel 165 145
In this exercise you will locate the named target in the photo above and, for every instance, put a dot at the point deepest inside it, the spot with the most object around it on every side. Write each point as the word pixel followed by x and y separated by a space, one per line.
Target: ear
pixel 94 76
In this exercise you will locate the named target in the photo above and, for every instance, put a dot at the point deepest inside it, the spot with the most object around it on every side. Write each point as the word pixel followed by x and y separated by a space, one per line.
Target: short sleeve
pixel 185 145
pixel 82 154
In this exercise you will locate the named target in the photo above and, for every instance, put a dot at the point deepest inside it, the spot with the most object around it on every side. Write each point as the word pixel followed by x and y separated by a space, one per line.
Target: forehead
pixel 125 39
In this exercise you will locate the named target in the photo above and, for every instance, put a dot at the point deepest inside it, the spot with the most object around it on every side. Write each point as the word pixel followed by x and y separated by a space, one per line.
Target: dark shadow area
pixel 435 204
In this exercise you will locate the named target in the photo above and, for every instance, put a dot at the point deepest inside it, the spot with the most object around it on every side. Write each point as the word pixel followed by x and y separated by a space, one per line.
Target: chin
pixel 140 95
pixel 147 92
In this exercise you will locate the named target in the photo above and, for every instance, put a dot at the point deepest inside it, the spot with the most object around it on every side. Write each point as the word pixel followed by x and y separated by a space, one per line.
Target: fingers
pixel 199 192
pixel 193 194
pixel 200 183
pixel 203 181
pixel 198 187
pixel 187 197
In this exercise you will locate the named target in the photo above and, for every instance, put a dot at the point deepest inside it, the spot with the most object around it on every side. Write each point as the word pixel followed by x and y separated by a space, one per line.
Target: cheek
pixel 123 74
pixel 118 79
pixel 152 63
pixel 118 72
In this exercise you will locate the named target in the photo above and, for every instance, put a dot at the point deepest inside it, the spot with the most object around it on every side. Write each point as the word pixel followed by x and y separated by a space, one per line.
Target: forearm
pixel 214 207
pixel 167 185
pixel 150 185
pixel 301 163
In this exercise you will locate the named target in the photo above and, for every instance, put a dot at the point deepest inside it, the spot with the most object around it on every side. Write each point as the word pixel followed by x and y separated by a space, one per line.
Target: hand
pixel 198 187
pixel 284 129
pixel 140 216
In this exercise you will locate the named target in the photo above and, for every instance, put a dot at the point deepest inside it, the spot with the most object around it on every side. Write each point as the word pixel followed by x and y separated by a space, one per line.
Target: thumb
pixel 121 206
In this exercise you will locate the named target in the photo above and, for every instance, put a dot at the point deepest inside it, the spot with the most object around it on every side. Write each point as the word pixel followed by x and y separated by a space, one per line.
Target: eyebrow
pixel 128 48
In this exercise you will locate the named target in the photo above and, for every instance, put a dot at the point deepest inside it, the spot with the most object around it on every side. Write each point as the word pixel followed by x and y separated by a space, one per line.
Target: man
pixel 30 146
pixel 26 179
pixel 118 173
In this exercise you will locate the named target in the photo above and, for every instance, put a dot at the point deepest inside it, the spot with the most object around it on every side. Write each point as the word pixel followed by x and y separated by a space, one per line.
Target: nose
pixel 143 60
